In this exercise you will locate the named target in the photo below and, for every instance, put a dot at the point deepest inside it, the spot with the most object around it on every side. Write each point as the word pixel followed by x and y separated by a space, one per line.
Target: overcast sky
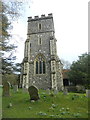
pixel 70 22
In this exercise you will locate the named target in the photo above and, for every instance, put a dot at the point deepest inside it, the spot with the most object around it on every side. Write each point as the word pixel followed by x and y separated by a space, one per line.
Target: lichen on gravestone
pixel 33 92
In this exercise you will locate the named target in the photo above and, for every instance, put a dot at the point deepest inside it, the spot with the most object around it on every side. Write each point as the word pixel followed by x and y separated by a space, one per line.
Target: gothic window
pixel 40 67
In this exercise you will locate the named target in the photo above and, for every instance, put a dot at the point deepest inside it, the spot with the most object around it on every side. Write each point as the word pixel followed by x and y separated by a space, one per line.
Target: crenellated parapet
pixel 42 17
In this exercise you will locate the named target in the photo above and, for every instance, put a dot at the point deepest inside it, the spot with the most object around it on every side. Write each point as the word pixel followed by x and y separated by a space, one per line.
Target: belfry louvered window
pixel 39 26
pixel 40 67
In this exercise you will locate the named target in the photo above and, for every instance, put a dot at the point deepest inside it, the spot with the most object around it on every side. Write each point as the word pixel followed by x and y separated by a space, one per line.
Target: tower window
pixel 40 26
pixel 39 41
pixel 30 45
pixel 40 65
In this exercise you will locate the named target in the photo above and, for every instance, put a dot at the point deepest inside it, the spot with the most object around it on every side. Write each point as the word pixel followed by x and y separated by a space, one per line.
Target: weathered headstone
pixel 55 91
pixel 6 89
pixel 33 92
pixel 65 91
pixel 88 93
pixel 48 91
pixel 15 88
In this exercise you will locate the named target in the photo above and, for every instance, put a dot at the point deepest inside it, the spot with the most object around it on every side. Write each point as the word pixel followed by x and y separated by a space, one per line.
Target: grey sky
pixel 70 22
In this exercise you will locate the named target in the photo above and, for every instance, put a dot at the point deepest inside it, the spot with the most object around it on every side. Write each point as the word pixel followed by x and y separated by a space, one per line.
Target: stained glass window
pixel 40 65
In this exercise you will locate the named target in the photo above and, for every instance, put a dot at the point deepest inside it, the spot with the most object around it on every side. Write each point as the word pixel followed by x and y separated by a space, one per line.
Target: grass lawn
pixel 0 102
pixel 73 105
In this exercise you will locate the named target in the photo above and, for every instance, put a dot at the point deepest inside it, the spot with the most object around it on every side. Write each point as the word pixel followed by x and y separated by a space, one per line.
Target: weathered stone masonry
pixel 41 65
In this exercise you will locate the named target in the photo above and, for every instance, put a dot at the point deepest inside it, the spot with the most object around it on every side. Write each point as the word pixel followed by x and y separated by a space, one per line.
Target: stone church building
pixel 41 66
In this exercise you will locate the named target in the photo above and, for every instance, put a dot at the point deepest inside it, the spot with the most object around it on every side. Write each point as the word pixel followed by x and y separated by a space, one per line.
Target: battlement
pixel 39 18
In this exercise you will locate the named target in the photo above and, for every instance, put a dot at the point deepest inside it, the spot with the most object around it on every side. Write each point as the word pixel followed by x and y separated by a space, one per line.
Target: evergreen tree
pixel 9 11
pixel 79 71
pixel 5 36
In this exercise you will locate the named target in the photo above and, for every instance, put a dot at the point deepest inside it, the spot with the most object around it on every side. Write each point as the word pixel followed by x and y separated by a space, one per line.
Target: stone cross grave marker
pixel 15 88
pixel 6 89
pixel 33 92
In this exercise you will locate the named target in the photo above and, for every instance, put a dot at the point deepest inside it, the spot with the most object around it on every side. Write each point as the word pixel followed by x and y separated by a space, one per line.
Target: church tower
pixel 41 65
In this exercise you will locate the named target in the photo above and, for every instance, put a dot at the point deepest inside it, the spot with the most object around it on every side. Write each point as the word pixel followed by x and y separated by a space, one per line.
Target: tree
pixel 4 35
pixel 78 74
pixel 66 64
pixel 9 11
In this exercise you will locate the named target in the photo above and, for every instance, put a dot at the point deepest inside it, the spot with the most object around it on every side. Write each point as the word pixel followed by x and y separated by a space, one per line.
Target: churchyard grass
pixel 73 105
pixel 0 102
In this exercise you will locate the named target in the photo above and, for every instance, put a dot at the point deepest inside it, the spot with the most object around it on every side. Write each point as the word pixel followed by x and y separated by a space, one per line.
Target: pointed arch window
pixel 40 67
pixel 36 67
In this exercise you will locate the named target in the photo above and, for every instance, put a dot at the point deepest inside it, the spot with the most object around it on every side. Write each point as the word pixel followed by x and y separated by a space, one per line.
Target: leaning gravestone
pixel 15 87
pixel 33 92
pixel 6 89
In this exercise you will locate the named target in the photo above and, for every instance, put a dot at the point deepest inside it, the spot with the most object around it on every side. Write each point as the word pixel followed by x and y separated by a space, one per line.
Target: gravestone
pixel 48 91
pixel 65 91
pixel 55 91
pixel 33 92
pixel 88 93
pixel 6 89
pixel 15 87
